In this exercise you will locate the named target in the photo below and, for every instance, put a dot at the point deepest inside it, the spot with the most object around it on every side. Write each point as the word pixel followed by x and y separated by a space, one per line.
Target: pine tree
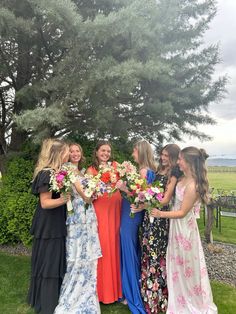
pixel 120 69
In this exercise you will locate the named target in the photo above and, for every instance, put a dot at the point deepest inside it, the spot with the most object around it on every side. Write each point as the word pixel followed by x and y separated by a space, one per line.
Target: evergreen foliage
pixel 17 204
pixel 110 68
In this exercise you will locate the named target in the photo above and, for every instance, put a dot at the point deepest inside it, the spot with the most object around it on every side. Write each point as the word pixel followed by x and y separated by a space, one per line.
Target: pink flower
pixel 150 191
pixel 188 272
pixel 155 286
pixel 181 300
pixel 159 196
pixel 141 197
pixel 175 276
pixel 60 177
pixel 152 270
pixel 197 290
pixel 179 260
pixel 186 244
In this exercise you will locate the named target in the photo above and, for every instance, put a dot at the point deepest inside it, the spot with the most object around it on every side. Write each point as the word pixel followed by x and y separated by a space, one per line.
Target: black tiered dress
pixel 48 261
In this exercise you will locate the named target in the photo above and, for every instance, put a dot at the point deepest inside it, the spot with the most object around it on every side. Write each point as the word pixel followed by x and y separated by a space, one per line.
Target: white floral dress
pixel 78 292
pixel 187 278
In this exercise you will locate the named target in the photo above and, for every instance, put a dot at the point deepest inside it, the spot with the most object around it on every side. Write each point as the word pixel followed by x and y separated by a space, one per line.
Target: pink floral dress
pixel 187 278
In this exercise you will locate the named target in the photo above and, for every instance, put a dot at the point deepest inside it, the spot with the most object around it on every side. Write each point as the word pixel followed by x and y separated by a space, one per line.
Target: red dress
pixel 108 211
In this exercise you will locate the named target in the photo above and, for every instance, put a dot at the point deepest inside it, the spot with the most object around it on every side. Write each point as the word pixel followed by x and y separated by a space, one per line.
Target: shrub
pixel 17 204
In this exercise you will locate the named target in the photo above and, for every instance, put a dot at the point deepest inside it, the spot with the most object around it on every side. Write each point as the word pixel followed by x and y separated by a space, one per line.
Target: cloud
pixel 221 30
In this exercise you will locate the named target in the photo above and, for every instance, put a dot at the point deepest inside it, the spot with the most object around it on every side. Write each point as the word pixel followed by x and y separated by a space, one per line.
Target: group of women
pixel 101 254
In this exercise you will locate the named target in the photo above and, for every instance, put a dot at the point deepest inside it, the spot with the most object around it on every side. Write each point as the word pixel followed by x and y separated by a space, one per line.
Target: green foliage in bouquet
pixel 17 204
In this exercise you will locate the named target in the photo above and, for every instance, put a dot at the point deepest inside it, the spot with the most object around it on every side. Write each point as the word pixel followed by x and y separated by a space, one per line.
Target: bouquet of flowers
pixel 131 181
pixel 62 180
pixel 109 175
pixel 151 197
pixel 139 191
pixel 93 187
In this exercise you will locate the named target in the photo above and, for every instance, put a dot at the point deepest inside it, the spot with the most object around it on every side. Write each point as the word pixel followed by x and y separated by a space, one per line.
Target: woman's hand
pixel 65 197
pixel 121 185
pixel 87 200
pixel 135 209
pixel 156 213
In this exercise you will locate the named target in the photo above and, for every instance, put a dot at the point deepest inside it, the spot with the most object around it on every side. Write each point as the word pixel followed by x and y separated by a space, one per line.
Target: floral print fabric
pixel 153 264
pixel 187 277
pixel 78 292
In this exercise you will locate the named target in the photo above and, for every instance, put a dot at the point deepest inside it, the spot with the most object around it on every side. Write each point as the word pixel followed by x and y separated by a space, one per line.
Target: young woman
pixel 79 290
pixel 129 234
pixel 108 210
pixel 155 237
pixel 187 278
pixel 48 262
pixel 76 155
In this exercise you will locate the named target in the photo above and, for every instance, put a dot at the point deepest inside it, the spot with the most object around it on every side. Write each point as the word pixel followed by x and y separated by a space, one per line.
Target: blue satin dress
pixel 131 255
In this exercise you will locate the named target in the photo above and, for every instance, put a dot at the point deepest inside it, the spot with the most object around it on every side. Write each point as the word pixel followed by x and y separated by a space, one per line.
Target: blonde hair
pixel 173 151
pixel 51 155
pixel 146 157
pixel 82 159
pixel 196 158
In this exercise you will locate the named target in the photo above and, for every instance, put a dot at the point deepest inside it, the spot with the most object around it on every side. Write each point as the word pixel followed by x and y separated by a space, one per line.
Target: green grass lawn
pixel 225 180
pixel 14 270
pixel 14 279
pixel 228 230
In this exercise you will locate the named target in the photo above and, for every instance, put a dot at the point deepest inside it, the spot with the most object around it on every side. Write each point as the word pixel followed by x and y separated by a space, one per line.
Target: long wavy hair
pixel 146 158
pixel 196 159
pixel 52 157
pixel 82 159
pixel 173 151
pixel 95 162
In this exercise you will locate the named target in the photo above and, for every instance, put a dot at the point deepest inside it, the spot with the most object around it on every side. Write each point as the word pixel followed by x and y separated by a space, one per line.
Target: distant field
pixel 221 169
pixel 222 178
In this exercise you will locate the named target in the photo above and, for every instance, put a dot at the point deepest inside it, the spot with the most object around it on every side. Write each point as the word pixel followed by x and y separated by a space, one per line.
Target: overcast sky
pixel 222 31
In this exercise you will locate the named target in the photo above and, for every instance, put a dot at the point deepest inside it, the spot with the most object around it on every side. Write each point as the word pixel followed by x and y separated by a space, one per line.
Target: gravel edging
pixel 220 259
pixel 18 249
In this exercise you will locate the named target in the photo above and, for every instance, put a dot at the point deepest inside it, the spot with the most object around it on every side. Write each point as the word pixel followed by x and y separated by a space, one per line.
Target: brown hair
pixel 82 159
pixel 196 158
pixel 173 151
pixel 95 162
pixel 53 159
pixel 146 157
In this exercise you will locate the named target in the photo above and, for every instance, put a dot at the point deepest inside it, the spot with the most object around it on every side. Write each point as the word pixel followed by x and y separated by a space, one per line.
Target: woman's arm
pixel 169 191
pixel 47 202
pixel 190 197
pixel 79 189
pixel 89 171
pixel 143 173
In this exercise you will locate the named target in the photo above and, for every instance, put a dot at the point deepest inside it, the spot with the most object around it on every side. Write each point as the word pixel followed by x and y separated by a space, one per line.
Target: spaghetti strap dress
pixel 187 277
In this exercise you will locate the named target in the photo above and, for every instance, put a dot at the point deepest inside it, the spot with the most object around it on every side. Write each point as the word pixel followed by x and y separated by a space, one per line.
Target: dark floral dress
pixel 153 264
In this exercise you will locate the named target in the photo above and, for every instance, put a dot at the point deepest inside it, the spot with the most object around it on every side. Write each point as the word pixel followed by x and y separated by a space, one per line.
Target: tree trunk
pixel 209 209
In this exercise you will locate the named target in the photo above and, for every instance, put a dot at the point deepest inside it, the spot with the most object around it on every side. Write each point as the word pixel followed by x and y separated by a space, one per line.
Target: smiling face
pixel 183 165
pixel 165 159
pixel 75 154
pixel 103 153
